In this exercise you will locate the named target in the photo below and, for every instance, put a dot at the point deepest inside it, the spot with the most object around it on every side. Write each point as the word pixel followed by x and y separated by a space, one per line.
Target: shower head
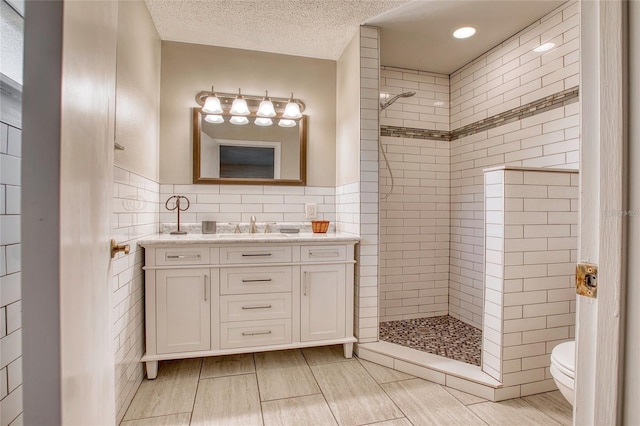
pixel 387 104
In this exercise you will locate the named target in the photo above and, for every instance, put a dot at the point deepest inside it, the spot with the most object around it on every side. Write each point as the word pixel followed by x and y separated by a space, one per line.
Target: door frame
pixel 603 201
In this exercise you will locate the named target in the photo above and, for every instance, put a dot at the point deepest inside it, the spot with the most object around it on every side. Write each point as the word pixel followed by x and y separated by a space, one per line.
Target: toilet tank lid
pixel 565 355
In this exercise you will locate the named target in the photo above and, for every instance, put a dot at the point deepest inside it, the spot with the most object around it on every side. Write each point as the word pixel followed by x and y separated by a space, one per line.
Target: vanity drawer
pixel 255 333
pixel 263 279
pixel 255 307
pixel 264 254
pixel 323 253
pixel 183 256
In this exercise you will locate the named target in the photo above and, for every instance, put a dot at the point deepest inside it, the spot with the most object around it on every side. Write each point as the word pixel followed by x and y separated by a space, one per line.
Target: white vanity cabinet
pixel 205 298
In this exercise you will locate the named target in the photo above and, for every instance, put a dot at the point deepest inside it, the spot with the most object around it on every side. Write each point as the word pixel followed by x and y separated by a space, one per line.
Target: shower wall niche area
pixel 509 107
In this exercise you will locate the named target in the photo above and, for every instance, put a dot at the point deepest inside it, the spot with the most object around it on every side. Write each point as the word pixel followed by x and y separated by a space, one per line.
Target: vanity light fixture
pixel 544 47
pixel 464 32
pixel 212 104
pixel 266 108
pixel 213 118
pixel 288 111
pixel 239 120
pixel 239 106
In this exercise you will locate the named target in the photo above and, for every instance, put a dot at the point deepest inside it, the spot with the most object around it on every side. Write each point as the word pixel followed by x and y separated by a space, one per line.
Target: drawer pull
pixel 257 307
pixel 182 256
pixel 255 333
pixel 266 280
pixel 256 254
pixel 324 254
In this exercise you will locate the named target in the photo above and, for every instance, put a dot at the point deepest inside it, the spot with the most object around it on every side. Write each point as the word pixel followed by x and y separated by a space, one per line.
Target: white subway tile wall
pixel 494 267
pixel 366 292
pixel 135 216
pixel 512 74
pixel 414 229
pixel 414 218
pixel 348 208
pixel 531 251
pixel 497 81
pixel 427 109
pixel 10 277
pixel 237 203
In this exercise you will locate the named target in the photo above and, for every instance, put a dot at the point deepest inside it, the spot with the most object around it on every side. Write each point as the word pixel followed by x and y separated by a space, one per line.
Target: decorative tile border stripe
pixel 548 103
pixel 545 104
pixel 413 133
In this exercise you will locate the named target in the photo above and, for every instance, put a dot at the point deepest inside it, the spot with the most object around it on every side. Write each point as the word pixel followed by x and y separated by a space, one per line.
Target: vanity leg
pixel 152 369
pixel 348 350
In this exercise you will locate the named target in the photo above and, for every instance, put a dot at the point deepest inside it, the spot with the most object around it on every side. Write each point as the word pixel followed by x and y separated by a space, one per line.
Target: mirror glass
pixel 248 154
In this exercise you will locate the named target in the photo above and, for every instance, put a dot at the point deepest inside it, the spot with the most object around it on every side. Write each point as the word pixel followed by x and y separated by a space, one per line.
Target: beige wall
pixel 189 68
pixel 348 114
pixel 138 90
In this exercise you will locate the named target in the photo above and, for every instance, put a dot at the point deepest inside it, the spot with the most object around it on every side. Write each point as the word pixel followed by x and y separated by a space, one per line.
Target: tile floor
pixel 442 335
pixel 318 386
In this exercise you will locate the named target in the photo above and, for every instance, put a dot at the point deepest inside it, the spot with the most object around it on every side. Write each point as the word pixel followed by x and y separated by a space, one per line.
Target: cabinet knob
pixel 117 248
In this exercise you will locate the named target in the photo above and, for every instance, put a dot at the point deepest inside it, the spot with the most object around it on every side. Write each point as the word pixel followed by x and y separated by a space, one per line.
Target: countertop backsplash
pixel 229 227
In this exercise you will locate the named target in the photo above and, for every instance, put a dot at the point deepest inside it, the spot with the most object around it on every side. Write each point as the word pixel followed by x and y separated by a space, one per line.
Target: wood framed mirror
pixel 225 153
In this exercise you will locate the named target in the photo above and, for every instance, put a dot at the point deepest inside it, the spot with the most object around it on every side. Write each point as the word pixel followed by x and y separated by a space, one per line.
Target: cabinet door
pixel 322 302
pixel 183 310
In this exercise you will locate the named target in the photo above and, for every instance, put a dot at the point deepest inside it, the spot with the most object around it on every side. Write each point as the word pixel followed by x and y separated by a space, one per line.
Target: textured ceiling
pixel 415 34
pixel 312 28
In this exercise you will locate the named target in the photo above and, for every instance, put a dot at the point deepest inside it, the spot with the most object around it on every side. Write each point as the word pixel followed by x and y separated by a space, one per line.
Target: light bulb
pixel 263 121
pixel 464 32
pixel 212 105
pixel 292 110
pixel 215 119
pixel 239 121
pixel 266 108
pixel 286 123
pixel 239 106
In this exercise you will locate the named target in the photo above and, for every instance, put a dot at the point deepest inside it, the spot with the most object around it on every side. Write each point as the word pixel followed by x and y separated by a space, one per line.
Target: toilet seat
pixel 563 357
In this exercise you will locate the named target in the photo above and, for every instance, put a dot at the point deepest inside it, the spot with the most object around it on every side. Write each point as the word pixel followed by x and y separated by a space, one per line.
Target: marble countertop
pixel 172 240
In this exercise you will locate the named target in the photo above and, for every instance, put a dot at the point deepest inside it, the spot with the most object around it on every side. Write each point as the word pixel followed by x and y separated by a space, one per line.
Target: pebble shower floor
pixel 443 335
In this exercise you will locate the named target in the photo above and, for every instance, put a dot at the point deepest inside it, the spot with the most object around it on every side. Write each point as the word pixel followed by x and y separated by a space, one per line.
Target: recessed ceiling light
pixel 544 47
pixel 464 32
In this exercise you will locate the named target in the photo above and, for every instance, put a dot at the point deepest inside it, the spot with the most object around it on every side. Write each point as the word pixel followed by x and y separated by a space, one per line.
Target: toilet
pixel 563 367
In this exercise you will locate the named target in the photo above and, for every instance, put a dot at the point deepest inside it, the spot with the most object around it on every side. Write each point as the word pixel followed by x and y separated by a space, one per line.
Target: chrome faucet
pixel 252 226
